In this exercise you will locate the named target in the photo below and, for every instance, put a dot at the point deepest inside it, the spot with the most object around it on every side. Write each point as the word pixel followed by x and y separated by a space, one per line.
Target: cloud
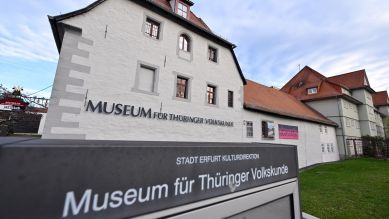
pixel 275 37
pixel 25 31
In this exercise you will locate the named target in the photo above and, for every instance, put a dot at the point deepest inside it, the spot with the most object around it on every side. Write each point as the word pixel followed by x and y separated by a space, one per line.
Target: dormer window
pixel 312 90
pixel 182 10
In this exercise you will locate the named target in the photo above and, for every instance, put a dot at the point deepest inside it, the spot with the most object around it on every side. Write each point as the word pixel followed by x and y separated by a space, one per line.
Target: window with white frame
pixel 328 148
pixel 249 129
pixel 211 94
pixel 321 128
pixel 184 43
pixel 347 122
pixel 332 147
pixel 312 90
pixel 325 129
pixel 323 148
pixel 182 10
pixel 152 28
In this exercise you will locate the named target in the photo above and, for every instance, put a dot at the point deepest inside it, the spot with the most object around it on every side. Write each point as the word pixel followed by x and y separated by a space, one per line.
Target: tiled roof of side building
pixel 270 100
pixel 381 98
pixel 310 78
pixel 352 80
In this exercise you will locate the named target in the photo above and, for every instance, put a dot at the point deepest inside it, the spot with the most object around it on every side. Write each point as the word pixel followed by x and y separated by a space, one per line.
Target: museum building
pixel 145 70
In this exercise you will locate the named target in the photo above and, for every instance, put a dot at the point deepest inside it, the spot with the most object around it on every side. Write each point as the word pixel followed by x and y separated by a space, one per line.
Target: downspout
pixel 341 123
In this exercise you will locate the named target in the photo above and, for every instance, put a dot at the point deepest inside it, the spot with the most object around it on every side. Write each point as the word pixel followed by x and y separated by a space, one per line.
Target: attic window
pixel 312 90
pixel 182 10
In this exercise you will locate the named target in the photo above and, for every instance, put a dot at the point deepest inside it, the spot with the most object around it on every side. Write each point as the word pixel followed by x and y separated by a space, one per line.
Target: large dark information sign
pixel 105 179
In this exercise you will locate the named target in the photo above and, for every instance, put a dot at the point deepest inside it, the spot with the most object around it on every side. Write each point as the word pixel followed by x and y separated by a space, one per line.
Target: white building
pixel 153 71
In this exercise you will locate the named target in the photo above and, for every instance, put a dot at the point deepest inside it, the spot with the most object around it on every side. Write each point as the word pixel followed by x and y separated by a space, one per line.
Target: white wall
pixel 113 61
pixel 308 144
pixel 42 123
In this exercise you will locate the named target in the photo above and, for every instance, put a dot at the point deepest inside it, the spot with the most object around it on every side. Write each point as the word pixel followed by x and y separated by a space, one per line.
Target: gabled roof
pixel 381 99
pixel 270 100
pixel 162 7
pixel 310 78
pixel 352 80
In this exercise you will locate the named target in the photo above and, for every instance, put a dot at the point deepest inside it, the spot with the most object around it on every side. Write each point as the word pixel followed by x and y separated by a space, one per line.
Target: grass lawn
pixel 347 189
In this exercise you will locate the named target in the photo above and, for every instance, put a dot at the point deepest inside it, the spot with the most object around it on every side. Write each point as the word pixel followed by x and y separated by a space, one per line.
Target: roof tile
pixel 260 97
pixel 381 98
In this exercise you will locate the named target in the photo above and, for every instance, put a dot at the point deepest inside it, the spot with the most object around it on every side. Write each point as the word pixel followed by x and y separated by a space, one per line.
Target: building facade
pixel 381 102
pixel 346 99
pixel 153 71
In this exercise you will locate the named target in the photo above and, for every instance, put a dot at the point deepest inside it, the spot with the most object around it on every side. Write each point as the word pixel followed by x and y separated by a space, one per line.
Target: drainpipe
pixel 341 123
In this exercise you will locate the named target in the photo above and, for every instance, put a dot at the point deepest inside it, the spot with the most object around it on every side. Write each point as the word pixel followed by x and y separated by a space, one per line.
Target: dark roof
pixel 353 80
pixel 270 100
pixel 309 78
pixel 381 99
pixel 194 24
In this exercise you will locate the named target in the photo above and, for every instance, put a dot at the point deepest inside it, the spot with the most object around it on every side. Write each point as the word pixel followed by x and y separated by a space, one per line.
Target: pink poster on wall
pixel 288 132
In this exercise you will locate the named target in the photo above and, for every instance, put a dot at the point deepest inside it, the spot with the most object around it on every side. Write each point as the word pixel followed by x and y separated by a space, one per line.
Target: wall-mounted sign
pixel 104 179
pixel 148 113
pixel 288 132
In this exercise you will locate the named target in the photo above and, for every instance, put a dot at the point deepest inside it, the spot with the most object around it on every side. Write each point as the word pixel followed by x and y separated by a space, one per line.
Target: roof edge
pixel 287 115
pixel 347 97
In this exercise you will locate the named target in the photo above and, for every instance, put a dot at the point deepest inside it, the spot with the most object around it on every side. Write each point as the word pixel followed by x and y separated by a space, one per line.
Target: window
pixel 323 148
pixel 152 28
pixel 146 78
pixel 249 129
pixel 332 147
pixel 312 90
pixel 372 126
pixel 268 129
pixel 230 99
pixel 184 43
pixel 182 10
pixel 346 105
pixel 325 129
pixel 328 147
pixel 348 122
pixel 211 94
pixel 321 128
pixel 357 125
pixel 182 87
pixel 212 54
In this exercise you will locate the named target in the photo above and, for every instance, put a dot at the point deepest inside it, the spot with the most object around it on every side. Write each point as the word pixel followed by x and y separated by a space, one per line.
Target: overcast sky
pixel 273 37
